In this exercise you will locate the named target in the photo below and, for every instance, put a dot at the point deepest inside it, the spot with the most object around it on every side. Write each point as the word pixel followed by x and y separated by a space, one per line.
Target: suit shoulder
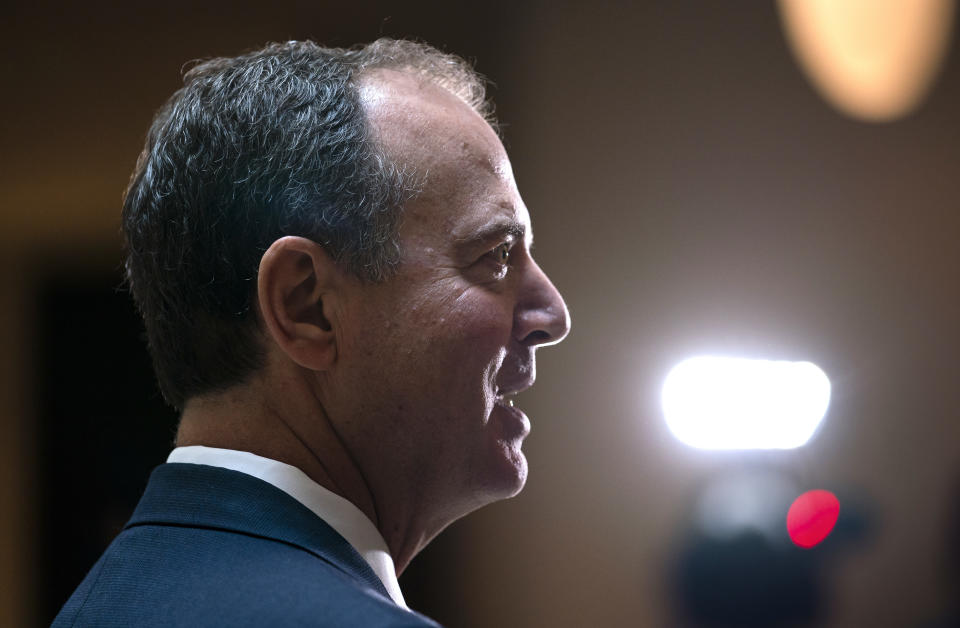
pixel 170 576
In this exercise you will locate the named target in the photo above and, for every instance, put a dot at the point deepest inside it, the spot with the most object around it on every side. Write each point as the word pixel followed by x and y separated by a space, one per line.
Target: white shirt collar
pixel 340 514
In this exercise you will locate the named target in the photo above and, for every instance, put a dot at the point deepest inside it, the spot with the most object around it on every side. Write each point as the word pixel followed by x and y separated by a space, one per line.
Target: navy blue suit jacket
pixel 213 547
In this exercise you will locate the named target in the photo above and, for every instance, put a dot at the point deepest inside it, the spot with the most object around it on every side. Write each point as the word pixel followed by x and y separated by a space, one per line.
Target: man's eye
pixel 501 254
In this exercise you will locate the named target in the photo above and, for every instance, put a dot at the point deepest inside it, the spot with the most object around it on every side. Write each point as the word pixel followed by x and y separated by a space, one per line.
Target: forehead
pixel 468 180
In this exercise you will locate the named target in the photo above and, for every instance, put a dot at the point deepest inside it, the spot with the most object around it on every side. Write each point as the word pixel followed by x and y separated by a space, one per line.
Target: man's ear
pixel 297 291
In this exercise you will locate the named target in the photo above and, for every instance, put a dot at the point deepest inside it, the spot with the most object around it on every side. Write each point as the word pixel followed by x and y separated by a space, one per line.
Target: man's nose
pixel 541 316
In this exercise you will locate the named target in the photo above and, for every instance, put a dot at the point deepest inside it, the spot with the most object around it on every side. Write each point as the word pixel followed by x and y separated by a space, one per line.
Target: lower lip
pixel 519 423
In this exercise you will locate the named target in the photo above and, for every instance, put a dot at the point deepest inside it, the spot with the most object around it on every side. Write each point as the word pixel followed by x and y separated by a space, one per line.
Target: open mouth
pixel 508 400
pixel 512 421
pixel 509 388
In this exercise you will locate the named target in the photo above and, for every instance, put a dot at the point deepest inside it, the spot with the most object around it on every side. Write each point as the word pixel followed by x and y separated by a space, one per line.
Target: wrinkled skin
pixel 429 350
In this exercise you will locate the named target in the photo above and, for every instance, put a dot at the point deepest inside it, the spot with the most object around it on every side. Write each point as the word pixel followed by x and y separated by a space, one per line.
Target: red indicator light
pixel 811 517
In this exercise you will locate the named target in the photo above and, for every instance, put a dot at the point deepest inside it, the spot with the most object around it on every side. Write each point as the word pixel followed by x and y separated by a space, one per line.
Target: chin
pixel 507 475
pixel 519 476
pixel 502 477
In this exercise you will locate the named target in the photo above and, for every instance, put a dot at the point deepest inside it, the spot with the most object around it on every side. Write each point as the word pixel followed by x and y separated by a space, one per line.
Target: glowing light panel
pixel 811 517
pixel 713 402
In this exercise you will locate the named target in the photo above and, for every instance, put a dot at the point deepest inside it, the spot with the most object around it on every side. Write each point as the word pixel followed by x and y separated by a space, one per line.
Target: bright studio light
pixel 713 402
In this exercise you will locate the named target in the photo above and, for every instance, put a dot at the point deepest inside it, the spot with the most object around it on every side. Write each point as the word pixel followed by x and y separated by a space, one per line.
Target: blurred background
pixel 692 190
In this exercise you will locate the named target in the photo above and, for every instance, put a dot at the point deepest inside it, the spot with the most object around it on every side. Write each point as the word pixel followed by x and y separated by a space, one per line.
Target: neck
pixel 407 535
pixel 242 418
pixel 286 421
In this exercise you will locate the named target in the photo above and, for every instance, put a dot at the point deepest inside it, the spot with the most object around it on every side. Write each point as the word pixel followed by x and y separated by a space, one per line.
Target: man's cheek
pixel 480 324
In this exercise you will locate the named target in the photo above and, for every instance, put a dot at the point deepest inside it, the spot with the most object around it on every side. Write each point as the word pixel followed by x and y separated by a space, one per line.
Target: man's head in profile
pixel 334 267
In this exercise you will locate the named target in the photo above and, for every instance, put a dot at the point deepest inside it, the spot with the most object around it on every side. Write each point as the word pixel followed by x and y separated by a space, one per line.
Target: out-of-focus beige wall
pixel 690 193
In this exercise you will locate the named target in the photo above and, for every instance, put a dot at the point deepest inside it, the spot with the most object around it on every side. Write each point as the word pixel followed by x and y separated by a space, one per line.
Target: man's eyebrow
pixel 499 230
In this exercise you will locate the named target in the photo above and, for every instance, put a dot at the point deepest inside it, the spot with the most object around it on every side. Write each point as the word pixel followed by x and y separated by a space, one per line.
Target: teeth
pixel 507 399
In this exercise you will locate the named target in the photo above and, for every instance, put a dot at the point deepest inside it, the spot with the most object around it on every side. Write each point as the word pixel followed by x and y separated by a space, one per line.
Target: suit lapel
pixel 198 495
